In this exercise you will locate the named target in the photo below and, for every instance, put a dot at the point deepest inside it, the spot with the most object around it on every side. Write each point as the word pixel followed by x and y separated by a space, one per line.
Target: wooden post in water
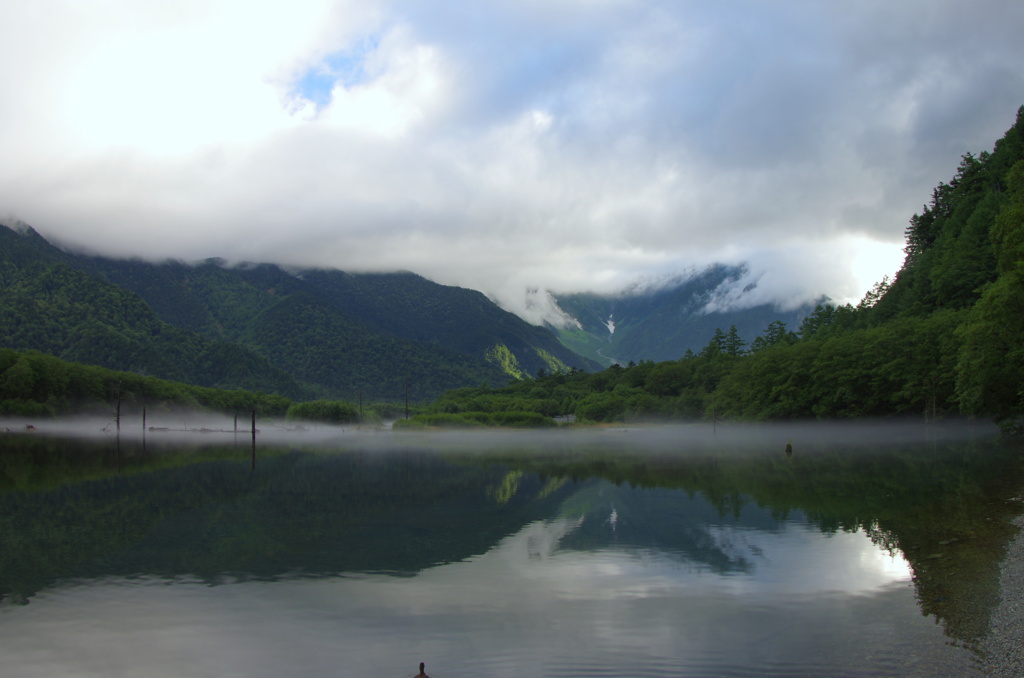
pixel 117 408
pixel 254 440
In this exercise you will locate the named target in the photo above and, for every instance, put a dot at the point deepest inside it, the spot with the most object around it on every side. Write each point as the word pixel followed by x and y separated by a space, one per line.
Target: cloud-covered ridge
pixel 560 145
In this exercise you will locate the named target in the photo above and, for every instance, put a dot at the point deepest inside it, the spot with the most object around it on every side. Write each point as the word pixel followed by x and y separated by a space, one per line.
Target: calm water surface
pixel 674 551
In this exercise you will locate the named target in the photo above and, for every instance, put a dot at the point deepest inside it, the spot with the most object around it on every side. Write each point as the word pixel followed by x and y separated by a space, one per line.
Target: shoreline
pixel 1003 646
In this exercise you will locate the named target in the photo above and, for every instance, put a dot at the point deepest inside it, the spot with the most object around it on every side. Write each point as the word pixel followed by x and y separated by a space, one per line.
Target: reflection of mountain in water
pixel 208 514
pixel 683 527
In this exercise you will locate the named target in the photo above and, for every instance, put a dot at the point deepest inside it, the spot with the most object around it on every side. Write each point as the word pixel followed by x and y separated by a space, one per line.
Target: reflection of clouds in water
pixel 520 609
pixel 794 560
pixel 739 545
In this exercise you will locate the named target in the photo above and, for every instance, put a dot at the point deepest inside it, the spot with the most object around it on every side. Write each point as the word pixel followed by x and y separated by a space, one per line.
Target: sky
pixel 511 147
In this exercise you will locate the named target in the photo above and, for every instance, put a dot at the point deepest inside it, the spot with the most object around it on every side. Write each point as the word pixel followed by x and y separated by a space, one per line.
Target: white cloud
pixel 558 145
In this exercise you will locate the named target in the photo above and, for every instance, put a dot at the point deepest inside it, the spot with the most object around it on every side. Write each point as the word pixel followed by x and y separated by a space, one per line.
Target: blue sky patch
pixel 346 67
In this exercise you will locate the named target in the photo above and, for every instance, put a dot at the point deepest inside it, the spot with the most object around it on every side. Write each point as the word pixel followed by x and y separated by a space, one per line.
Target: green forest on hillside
pixel 302 334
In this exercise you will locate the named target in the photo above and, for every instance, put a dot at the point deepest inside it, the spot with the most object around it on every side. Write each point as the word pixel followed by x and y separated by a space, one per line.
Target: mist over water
pixel 202 428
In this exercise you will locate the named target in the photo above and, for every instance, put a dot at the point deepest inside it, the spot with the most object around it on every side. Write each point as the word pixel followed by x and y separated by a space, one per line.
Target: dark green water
pixel 677 551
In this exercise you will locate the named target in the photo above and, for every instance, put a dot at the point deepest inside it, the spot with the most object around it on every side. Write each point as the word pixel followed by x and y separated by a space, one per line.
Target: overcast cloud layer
pixel 559 144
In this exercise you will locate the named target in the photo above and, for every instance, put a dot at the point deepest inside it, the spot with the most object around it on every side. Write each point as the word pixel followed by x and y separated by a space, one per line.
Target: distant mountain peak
pixel 661 317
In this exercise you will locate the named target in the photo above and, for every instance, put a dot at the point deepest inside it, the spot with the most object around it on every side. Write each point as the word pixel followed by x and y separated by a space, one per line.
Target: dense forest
pixel 944 337
pixel 33 384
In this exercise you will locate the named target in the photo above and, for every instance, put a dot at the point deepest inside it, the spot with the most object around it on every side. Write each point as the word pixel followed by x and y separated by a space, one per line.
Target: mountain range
pixel 301 333
pixel 323 333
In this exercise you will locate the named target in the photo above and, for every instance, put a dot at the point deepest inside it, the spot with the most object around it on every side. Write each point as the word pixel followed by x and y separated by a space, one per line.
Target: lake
pixel 732 550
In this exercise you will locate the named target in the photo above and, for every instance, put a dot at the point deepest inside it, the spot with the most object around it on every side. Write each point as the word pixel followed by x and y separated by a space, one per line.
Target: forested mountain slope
pixel 356 327
pixel 965 254
pixel 410 306
pixel 303 334
pixel 48 305
pixel 945 336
